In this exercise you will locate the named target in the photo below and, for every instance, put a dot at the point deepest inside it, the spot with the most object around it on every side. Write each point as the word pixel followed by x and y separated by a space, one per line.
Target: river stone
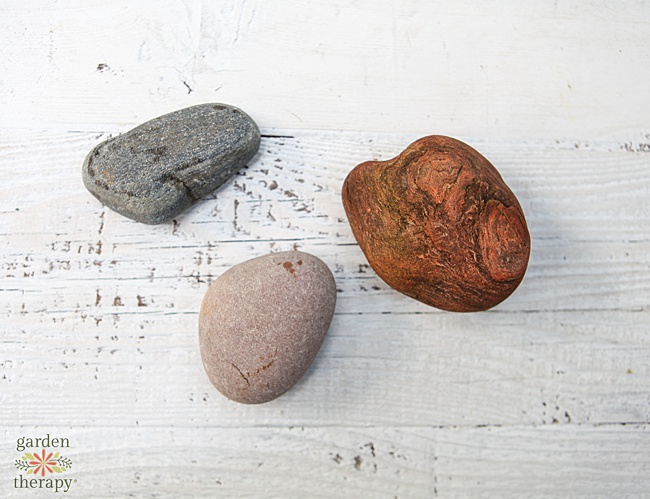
pixel 158 169
pixel 439 224
pixel 262 323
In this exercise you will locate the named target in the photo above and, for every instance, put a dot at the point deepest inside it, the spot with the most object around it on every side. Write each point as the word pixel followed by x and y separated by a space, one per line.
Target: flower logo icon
pixel 44 462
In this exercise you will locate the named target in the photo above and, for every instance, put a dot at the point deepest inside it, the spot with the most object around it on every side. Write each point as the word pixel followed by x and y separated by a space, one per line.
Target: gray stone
pixel 158 169
pixel 262 323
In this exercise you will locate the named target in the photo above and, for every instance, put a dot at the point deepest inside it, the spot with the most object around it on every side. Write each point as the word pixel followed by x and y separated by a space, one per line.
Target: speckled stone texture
pixel 439 224
pixel 158 169
pixel 262 323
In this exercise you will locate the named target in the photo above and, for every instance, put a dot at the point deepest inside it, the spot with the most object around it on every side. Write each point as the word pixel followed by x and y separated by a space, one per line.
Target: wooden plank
pixel 105 309
pixel 373 462
pixel 607 461
pixel 510 70
pixel 254 462
pixel 546 395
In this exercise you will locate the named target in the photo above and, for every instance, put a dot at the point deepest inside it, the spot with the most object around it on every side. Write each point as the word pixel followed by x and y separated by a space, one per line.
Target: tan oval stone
pixel 262 323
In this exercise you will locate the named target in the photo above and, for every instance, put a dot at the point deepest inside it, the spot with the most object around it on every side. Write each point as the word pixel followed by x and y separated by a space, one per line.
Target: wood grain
pixel 378 462
pixel 605 461
pixel 229 462
pixel 502 71
pixel 546 395
pixel 115 303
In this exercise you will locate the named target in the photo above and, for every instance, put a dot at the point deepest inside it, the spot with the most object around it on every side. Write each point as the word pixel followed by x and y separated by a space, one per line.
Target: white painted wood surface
pixel 547 395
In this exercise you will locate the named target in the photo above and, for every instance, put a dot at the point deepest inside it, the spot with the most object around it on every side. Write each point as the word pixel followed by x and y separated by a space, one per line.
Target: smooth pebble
pixel 262 323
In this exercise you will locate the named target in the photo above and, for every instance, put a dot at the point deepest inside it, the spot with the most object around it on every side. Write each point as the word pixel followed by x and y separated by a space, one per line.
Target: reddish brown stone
pixel 439 224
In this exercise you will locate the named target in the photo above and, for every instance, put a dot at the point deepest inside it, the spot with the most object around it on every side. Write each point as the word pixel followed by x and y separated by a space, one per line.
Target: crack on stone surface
pixel 180 184
pixel 248 383
pixel 263 368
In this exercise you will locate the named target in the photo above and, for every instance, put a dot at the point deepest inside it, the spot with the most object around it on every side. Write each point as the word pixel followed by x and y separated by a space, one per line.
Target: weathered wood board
pixel 546 395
